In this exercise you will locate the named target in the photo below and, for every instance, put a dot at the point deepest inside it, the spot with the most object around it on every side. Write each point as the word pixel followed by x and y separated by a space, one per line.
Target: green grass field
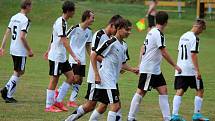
pixel 31 91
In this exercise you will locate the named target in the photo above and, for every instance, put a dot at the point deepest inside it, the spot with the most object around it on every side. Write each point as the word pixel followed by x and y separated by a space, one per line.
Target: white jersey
pixel 188 44
pixel 98 38
pixel 18 23
pixel 78 39
pixel 58 51
pixel 114 54
pixel 152 57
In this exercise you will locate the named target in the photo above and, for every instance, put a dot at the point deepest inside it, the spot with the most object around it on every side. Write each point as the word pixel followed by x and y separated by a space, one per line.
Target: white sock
pixel 134 108
pixel 78 113
pixel 119 115
pixel 164 106
pixel 111 116
pixel 197 104
pixel 11 85
pixel 49 98
pixel 176 104
pixel 95 116
pixel 62 93
pixel 74 93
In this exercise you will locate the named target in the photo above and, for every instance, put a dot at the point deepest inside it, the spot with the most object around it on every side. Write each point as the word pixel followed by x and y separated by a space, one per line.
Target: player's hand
pixel 97 79
pixel 1 51
pixel 45 55
pixel 77 60
pixel 30 53
pixel 135 70
pixel 178 69
pixel 199 77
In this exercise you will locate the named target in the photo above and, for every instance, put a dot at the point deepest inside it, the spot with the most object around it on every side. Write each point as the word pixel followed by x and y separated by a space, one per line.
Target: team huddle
pixel 108 53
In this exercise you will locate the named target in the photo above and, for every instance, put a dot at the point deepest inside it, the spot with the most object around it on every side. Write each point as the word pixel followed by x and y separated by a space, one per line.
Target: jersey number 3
pixel 14 32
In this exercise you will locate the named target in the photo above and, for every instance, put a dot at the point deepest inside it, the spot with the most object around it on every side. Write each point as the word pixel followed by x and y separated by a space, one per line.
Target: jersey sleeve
pixel 160 40
pixel 10 24
pixel 61 28
pixel 96 39
pixel 105 47
pixel 195 45
pixel 25 26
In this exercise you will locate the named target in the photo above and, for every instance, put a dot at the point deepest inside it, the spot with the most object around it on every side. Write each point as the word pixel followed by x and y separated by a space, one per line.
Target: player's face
pixel 200 29
pixel 70 13
pixel 125 32
pixel 91 19
pixel 29 8
pixel 113 30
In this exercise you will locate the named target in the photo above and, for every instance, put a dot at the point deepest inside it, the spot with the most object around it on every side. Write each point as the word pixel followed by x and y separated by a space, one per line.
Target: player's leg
pixel 198 100
pixel 159 83
pixel 181 85
pixel 97 113
pixel 79 72
pixel 10 88
pixel 143 86
pixel 112 114
pixel 75 90
pixel 50 95
pixel 88 106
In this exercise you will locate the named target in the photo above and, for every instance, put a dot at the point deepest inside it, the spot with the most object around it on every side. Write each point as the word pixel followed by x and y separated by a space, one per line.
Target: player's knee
pixel 141 92
pixel 19 73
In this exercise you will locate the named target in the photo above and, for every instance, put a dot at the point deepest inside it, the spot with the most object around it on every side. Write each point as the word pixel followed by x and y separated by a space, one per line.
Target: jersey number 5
pixel 14 33
pixel 183 52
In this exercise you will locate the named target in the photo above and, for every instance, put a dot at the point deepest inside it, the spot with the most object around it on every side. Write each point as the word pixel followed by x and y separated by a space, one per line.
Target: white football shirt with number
pixel 188 44
pixel 152 57
pixel 18 23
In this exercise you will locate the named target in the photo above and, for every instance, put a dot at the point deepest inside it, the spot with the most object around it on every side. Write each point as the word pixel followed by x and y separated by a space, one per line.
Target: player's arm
pixel 194 57
pixel 126 67
pixel 7 33
pixel 68 48
pixel 166 55
pixel 45 55
pixel 88 48
pixel 25 43
pixel 142 51
pixel 93 58
pixel 151 7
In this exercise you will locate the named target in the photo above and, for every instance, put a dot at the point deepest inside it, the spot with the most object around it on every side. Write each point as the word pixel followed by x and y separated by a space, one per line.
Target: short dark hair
pixel 161 17
pixel 68 6
pixel 25 3
pixel 86 15
pixel 115 20
pixel 123 23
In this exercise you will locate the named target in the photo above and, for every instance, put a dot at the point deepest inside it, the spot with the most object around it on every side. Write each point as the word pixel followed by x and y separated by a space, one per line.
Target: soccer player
pixel 188 49
pixel 114 55
pixel 80 40
pixel 19 48
pixel 58 62
pixel 151 54
pixel 151 14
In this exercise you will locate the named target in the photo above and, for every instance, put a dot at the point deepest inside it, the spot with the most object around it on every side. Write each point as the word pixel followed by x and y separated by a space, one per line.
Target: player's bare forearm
pixel 126 67
pixel 67 46
pixel 24 41
pixel 141 53
pixel 7 32
pixel 93 58
pixel 166 55
pixel 88 48
pixel 194 57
